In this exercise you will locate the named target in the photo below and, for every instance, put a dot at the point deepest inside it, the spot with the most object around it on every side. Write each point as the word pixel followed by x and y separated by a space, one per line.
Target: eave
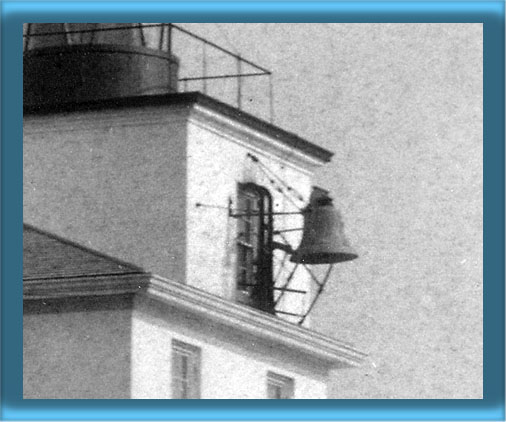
pixel 199 102
pixel 204 305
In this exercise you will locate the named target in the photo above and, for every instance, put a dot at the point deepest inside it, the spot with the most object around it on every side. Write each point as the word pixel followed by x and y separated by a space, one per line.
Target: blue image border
pixel 13 407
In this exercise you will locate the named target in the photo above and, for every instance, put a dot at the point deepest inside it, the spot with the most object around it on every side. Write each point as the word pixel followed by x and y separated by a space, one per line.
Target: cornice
pixel 253 322
pixel 203 105
pixel 107 284
pixel 204 305
pixel 250 137
pixel 99 119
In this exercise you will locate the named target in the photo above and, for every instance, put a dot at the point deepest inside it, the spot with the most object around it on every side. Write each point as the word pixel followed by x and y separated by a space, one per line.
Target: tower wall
pixel 114 181
pixel 233 366
pixel 217 162
pixel 118 348
pixel 77 349
pixel 81 62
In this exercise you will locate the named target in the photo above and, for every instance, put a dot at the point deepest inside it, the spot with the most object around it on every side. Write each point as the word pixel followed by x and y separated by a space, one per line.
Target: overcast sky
pixel 400 105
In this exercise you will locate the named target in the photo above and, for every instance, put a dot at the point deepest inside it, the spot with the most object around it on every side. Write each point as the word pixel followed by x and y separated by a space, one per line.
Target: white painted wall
pixel 217 163
pixel 233 366
pixel 126 182
pixel 112 180
pixel 77 354
pixel 118 353
pixel 401 105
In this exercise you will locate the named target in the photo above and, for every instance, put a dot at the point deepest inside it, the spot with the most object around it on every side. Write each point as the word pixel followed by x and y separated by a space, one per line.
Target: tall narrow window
pixel 254 247
pixel 279 386
pixel 185 371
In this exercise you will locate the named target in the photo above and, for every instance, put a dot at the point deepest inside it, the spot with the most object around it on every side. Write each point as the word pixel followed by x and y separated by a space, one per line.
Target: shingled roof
pixel 46 255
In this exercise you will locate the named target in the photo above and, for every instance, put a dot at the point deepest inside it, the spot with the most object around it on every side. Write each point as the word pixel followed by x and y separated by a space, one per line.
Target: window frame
pixel 185 385
pixel 285 386
pixel 254 274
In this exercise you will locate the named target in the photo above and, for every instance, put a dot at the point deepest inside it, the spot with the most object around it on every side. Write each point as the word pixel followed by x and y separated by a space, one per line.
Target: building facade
pixel 157 240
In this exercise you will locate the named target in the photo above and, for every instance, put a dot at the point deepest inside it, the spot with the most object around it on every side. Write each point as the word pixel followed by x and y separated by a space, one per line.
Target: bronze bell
pixel 323 240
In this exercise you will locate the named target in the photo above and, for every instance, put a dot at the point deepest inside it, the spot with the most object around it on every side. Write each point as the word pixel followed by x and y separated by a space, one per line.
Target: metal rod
pixel 83 31
pixel 160 41
pixel 287 230
pixel 266 170
pixel 171 26
pixel 273 213
pixel 27 36
pixel 239 84
pixel 287 282
pixel 290 290
pixel 320 290
pixel 224 50
pixel 199 204
pixel 232 75
pixel 92 36
pixel 68 37
pixel 288 313
pixel 315 279
pixel 283 246
pixel 169 50
pixel 154 25
pixel 169 39
pixel 271 99
pixel 281 265
pixel 204 68
pixel 143 39
pixel 242 212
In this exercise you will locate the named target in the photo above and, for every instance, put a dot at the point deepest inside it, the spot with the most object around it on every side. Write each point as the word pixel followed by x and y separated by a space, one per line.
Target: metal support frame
pixel 233 213
pixel 321 286
pixel 236 213
pixel 169 45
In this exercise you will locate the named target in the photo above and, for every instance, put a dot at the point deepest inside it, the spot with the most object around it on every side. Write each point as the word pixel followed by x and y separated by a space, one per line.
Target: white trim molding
pixel 253 322
pixel 205 306
pixel 247 136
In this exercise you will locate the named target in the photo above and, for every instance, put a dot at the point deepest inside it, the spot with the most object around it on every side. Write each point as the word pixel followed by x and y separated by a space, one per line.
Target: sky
pixel 400 105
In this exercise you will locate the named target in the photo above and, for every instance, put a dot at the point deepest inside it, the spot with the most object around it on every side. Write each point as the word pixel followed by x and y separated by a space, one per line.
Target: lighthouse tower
pixel 159 244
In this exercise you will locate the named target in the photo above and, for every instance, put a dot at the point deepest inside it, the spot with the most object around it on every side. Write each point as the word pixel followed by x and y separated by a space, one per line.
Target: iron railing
pixel 192 71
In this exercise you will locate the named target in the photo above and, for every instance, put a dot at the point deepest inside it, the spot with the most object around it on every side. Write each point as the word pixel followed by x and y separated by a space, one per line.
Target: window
pixel 185 371
pixel 254 247
pixel 279 386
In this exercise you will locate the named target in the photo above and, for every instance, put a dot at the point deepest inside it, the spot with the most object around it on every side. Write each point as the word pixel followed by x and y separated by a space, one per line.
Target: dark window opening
pixel 254 247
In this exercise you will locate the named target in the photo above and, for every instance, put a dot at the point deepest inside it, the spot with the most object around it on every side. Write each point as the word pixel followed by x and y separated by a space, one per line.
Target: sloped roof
pixel 46 256
pixel 57 268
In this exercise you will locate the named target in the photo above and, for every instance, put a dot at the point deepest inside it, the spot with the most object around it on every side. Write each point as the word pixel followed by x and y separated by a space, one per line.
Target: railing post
pixel 169 50
pixel 204 68
pixel 169 39
pixel 68 36
pixel 160 41
pixel 239 82
pixel 271 98
pixel 27 36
